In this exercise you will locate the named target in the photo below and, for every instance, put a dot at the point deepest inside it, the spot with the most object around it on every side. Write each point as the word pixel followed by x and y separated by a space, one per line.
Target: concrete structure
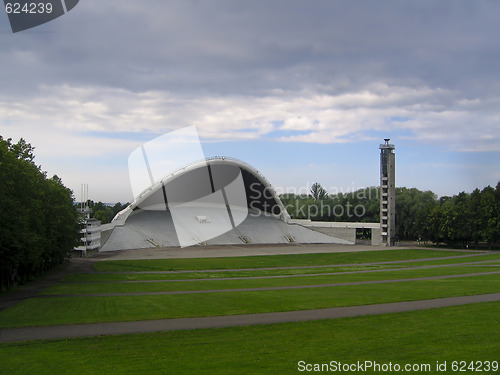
pixel 343 230
pixel 90 232
pixel 91 235
pixel 225 201
pixel 387 193
pixel 214 201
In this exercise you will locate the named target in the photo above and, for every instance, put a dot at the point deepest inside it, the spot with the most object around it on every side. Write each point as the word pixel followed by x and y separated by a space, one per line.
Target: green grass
pixel 291 260
pixel 198 285
pixel 131 276
pixel 69 310
pixel 99 277
pixel 445 334
pixel 455 333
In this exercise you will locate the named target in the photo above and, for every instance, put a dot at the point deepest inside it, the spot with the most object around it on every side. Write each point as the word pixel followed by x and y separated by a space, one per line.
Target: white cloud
pixel 85 134
pixel 92 115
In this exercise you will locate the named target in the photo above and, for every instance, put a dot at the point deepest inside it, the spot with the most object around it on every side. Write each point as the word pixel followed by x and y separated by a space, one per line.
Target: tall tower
pixel 388 192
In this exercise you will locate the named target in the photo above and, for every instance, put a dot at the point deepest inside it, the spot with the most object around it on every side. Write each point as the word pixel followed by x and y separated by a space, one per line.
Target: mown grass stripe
pixel 273 261
pixel 52 311
pixel 267 288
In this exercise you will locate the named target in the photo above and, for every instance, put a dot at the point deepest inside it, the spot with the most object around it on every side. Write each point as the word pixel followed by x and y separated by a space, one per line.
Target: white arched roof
pixel 122 216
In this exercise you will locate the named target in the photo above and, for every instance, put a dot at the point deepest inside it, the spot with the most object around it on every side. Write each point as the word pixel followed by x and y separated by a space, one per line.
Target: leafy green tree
pixel 489 216
pixel 461 225
pixel 475 216
pixel 105 215
pixel 38 222
pixel 118 207
pixel 413 208
pixel 426 203
pixel 62 221
pixel 104 212
pixel 318 192
pixel 434 226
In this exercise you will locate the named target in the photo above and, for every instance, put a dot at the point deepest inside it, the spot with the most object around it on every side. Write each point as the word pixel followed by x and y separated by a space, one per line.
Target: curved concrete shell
pixel 214 201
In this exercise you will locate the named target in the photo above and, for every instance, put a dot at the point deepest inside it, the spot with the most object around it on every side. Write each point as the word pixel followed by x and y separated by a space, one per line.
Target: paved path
pixel 479 263
pixel 216 251
pixel 388 262
pixel 79 265
pixel 85 265
pixel 267 288
pixel 118 328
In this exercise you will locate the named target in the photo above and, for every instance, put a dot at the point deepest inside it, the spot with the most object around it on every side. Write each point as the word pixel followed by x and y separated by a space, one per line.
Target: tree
pixel 434 226
pixel 412 210
pixel 489 216
pixel 103 212
pixel 461 230
pixel 318 192
pixel 38 223
pixel 475 216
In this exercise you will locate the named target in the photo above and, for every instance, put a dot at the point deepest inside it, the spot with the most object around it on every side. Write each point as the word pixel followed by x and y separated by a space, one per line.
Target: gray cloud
pixel 97 82
pixel 227 47
pixel 153 65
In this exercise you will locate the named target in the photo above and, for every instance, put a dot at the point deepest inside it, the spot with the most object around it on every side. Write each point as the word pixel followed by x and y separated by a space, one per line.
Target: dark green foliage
pixel 38 223
pixel 361 205
pixel 413 208
pixel 318 192
pixel 103 212
pixel 459 220
pixel 467 218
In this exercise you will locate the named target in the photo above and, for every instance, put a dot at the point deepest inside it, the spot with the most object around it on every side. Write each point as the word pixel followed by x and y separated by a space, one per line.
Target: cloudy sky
pixel 303 90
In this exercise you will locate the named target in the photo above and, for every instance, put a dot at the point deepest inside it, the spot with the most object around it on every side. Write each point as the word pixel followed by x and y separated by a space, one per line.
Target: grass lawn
pixel 151 275
pixel 68 310
pixel 198 285
pixel 290 260
pixel 461 333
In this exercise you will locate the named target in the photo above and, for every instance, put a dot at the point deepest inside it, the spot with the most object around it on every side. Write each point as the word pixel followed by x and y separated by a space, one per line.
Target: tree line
pixel 465 219
pixel 39 226
pixel 103 212
pixel 362 205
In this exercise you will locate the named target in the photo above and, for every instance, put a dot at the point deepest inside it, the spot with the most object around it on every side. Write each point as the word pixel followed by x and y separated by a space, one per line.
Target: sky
pixel 305 91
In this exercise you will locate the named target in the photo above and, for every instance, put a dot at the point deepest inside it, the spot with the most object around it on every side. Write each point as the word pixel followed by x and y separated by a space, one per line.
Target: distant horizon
pixel 110 204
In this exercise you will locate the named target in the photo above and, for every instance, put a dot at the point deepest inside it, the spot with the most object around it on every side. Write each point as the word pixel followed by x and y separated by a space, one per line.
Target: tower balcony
pixel 387 145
